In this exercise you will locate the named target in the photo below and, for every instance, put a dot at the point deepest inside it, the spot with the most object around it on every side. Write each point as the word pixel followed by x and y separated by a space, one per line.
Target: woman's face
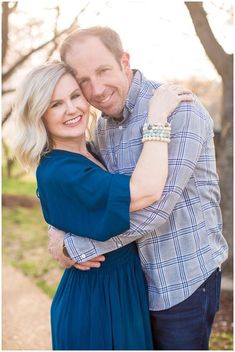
pixel 67 115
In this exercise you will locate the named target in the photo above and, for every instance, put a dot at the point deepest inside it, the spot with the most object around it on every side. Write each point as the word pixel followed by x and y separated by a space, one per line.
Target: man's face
pixel 103 81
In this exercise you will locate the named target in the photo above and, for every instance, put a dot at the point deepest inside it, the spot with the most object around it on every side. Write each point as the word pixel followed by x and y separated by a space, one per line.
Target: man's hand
pixel 55 247
pixel 93 263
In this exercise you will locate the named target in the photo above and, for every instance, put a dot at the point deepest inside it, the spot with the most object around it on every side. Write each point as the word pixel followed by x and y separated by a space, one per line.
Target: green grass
pixel 25 246
pixel 18 186
pixel 43 285
pixel 20 183
pixel 24 235
pixel 221 341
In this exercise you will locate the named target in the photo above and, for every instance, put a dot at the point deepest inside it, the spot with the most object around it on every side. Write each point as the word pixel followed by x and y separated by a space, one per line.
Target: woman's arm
pixel 150 174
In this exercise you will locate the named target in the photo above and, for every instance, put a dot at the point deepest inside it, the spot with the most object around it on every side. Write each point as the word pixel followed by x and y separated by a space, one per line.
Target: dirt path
pixel 26 309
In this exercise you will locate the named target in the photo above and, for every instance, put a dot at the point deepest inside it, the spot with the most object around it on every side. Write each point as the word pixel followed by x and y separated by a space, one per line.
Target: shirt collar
pixel 131 97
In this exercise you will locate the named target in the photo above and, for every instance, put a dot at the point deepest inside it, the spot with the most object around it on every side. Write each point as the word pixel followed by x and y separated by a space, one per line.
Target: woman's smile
pixel 74 121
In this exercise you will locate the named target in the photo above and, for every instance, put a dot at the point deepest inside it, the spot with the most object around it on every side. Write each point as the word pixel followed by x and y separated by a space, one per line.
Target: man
pixel 179 238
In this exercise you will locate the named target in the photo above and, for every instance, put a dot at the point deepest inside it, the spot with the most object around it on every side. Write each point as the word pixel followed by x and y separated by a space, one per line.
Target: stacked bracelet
pixel 156 132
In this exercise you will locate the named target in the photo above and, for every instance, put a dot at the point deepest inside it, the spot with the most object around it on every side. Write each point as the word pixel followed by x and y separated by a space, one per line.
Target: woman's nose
pixel 70 108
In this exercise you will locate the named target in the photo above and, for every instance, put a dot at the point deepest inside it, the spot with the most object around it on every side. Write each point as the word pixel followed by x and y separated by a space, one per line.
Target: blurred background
pixel 186 42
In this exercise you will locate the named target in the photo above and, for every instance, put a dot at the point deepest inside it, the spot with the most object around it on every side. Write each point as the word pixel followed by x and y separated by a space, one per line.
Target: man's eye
pixel 104 70
pixel 82 81
pixel 75 96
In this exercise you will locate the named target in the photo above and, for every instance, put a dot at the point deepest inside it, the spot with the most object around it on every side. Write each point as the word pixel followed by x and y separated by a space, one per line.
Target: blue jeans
pixel 187 325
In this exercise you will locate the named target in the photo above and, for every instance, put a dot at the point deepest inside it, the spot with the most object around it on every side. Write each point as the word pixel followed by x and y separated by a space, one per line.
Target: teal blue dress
pixel 98 309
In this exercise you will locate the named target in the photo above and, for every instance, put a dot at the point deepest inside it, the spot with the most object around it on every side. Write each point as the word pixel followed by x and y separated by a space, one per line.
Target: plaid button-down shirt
pixel 179 238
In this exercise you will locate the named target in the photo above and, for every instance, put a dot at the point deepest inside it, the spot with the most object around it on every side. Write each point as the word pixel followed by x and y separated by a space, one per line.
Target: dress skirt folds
pixel 104 308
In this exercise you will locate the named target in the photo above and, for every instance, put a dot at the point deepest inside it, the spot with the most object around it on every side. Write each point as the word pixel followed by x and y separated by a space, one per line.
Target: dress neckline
pixel 58 151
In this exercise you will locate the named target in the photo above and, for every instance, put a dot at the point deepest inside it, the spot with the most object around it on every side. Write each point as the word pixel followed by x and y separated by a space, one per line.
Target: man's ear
pixel 125 61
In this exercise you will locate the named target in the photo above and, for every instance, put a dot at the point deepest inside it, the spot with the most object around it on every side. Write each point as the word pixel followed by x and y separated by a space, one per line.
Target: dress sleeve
pixel 86 201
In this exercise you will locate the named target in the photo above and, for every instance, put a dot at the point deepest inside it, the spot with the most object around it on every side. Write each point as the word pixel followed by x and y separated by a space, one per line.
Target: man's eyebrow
pixel 77 90
pixel 97 70
pixel 103 66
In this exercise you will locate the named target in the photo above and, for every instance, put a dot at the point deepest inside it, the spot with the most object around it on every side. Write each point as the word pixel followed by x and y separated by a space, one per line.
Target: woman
pixel 105 308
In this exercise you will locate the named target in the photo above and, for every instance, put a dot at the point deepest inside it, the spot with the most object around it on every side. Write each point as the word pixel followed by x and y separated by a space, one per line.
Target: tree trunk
pixel 5 28
pixel 225 165
pixel 10 164
pixel 223 63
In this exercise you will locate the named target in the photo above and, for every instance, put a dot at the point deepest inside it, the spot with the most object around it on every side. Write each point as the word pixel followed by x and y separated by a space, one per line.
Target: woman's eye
pixel 54 105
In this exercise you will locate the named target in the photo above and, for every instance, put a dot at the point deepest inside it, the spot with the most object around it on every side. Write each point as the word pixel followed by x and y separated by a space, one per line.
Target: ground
pixel 23 301
pixel 25 313
pixel 222 334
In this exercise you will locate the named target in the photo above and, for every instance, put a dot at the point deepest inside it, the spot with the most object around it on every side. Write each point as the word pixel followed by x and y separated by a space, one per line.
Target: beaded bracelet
pixel 156 132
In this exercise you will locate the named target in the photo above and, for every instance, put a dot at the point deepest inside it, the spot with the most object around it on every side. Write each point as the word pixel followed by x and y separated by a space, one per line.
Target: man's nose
pixel 97 88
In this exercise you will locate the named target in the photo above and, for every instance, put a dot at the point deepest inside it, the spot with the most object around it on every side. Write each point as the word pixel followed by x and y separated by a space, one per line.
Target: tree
pixel 223 63
pixel 14 60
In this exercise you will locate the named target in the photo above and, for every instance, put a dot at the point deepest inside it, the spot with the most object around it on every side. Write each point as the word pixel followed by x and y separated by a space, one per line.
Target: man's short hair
pixel 107 36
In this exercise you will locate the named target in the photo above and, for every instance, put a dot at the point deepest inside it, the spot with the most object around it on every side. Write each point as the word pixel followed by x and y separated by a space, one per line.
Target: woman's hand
pixel 164 101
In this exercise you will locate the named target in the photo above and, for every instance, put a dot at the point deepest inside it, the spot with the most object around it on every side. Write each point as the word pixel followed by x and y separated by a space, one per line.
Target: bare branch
pixel 228 10
pixel 54 40
pixel 7 91
pixel 213 49
pixel 6 11
pixel 6 117
pixel 56 20
pixel 5 28
pixel 51 51
pixel 10 71
pixel 7 74
pixel 55 44
pixel 13 8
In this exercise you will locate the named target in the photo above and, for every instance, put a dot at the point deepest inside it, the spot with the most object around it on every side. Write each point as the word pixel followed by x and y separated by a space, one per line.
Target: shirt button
pixel 83 256
pixel 120 127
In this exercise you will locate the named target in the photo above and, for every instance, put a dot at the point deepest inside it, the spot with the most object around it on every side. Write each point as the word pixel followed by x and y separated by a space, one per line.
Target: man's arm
pixel 191 126
pixel 57 249
pixel 82 249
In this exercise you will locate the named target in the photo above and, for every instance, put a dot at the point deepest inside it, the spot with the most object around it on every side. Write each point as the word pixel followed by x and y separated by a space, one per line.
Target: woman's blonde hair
pixel 33 96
